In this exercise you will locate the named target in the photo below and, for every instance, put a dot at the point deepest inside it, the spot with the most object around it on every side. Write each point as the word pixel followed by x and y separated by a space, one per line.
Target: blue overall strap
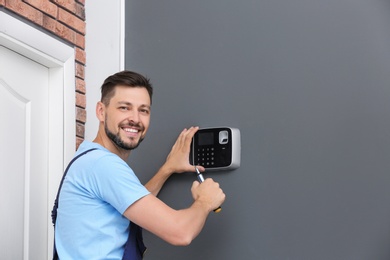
pixel 134 248
pixel 55 207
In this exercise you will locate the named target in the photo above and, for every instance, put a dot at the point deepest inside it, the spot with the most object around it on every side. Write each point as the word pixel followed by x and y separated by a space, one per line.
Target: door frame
pixel 59 58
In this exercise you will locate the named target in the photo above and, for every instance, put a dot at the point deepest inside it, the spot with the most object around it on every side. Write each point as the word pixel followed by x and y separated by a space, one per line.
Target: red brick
pixel 80 55
pixel 49 23
pixel 59 29
pixel 80 85
pixel 25 10
pixel 81 100
pixel 81 114
pixel 45 6
pixel 71 20
pixel 66 4
pixel 80 41
pixel 73 7
pixel 80 11
pixel 80 130
pixel 65 32
pixel 80 70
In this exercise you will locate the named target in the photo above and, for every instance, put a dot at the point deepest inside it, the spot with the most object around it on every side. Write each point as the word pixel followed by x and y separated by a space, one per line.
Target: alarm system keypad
pixel 206 156
pixel 216 148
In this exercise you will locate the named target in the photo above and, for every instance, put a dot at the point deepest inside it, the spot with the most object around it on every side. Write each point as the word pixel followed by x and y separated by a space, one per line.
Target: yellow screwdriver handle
pixel 217 210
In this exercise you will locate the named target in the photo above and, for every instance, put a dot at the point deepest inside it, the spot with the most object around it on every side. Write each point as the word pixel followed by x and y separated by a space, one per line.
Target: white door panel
pixel 37 134
pixel 24 92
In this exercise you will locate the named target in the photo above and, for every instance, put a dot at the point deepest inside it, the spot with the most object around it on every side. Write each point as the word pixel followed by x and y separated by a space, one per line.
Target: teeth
pixel 131 130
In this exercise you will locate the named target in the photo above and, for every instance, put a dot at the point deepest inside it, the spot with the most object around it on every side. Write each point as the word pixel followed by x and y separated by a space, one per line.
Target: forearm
pixel 177 227
pixel 194 220
pixel 185 225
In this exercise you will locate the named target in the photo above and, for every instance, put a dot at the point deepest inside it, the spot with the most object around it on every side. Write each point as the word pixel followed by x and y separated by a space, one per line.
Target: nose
pixel 134 116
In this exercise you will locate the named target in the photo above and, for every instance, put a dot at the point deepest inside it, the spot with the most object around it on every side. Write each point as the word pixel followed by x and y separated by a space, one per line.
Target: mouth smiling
pixel 131 131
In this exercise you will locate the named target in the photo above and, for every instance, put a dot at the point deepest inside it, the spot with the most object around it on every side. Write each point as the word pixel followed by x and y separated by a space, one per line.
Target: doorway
pixel 37 134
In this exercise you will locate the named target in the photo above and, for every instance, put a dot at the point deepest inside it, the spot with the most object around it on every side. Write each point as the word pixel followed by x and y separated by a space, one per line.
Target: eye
pixel 145 111
pixel 123 108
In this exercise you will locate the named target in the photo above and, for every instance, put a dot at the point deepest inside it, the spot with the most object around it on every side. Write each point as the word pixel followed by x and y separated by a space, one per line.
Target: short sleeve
pixel 116 183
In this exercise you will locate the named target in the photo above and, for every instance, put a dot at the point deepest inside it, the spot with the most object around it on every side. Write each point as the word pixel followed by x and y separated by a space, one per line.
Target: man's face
pixel 127 117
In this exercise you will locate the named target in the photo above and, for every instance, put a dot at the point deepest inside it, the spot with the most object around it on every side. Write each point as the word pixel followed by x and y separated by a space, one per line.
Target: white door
pixel 24 116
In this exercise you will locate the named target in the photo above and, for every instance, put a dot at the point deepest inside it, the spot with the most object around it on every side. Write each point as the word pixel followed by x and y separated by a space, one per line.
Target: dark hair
pixel 124 78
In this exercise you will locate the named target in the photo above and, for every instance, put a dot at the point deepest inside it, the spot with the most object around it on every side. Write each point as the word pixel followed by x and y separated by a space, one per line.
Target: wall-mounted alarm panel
pixel 216 148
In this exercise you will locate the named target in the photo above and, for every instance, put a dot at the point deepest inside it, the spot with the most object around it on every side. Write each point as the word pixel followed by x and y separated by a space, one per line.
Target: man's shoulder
pixel 87 145
pixel 96 153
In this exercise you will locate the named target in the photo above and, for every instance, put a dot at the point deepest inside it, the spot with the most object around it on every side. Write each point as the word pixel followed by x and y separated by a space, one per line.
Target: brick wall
pixel 65 19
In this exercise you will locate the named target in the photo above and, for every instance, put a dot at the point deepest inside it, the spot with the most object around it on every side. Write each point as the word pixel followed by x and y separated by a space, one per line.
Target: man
pixel 101 194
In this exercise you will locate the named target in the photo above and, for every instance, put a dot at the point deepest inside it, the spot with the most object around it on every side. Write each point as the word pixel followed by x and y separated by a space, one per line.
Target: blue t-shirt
pixel 97 189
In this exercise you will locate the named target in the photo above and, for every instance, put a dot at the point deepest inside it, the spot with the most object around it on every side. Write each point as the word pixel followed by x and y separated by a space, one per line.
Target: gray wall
pixel 307 83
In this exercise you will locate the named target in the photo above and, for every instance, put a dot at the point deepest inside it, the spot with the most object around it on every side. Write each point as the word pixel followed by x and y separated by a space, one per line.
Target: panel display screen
pixel 206 138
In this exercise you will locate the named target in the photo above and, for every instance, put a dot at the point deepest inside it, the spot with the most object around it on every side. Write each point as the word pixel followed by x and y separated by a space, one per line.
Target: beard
pixel 118 141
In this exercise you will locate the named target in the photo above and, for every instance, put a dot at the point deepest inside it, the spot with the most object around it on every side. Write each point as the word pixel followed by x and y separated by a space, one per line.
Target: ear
pixel 100 111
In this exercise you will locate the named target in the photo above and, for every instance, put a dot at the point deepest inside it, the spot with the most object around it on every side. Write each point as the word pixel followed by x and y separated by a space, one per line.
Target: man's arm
pixel 177 227
pixel 177 161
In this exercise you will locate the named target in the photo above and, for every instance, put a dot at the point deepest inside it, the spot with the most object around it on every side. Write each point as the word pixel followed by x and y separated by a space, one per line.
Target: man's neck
pixel 109 145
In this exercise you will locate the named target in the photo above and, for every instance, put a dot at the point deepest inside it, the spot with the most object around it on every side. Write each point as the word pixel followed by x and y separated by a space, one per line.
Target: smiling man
pixel 101 195
pixel 130 118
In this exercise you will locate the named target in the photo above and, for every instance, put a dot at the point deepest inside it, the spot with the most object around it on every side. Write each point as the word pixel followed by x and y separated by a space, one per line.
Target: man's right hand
pixel 208 193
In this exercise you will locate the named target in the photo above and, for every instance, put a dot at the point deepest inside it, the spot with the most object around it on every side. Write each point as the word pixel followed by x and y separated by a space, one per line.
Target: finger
pixel 195 184
pixel 179 139
pixel 184 140
pixel 187 137
pixel 183 136
pixel 191 132
pixel 200 168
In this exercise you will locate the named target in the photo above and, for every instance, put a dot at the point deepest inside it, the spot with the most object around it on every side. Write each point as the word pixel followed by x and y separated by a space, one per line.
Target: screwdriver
pixel 201 179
